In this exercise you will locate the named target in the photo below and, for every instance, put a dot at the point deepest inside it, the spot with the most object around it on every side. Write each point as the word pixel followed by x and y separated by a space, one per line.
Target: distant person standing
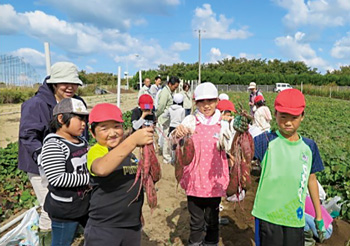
pixel 145 88
pixel 165 100
pixel 36 113
pixel 253 93
pixel 155 87
pixel 187 102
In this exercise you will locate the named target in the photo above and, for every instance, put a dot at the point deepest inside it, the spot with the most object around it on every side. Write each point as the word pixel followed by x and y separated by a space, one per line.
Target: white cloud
pixel 121 14
pixel 218 28
pixel 149 56
pixel 34 57
pixel 341 48
pixel 293 47
pixel 215 55
pixel 320 13
pixel 89 69
pixel 249 56
pixel 180 46
pixel 79 39
pixel 9 20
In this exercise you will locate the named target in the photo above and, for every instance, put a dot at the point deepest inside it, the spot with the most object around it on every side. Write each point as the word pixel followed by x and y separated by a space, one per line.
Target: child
pixel 112 219
pixel 262 117
pixel 176 112
pixel 63 159
pixel 143 114
pixel 227 134
pixel 289 163
pixel 206 178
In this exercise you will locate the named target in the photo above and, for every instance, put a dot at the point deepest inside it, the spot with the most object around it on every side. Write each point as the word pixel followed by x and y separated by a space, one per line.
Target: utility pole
pixel 199 55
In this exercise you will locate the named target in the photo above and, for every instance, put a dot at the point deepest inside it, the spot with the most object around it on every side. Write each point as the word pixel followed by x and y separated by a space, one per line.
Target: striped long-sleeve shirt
pixel 64 162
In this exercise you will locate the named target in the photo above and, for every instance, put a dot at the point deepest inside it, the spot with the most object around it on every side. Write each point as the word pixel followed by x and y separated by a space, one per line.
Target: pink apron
pixel 207 175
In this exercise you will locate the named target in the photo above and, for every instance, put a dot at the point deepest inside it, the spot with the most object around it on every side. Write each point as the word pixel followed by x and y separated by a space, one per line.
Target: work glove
pixel 321 230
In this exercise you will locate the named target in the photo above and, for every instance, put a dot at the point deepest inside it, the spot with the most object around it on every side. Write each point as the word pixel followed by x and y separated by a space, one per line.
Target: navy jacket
pixel 36 114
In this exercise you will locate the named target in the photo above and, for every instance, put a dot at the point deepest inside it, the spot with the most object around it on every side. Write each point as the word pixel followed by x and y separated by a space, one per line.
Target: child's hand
pixel 145 113
pixel 182 131
pixel 143 136
pixel 321 229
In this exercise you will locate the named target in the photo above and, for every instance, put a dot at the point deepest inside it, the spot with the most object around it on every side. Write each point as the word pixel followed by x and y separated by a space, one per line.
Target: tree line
pixel 236 71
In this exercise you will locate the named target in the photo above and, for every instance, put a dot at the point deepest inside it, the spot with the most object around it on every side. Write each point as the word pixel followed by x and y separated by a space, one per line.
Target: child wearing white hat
pixel 206 178
pixel 175 112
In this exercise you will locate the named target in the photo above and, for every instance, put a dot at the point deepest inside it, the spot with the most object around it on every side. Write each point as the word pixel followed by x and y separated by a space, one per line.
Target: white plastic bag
pixel 26 233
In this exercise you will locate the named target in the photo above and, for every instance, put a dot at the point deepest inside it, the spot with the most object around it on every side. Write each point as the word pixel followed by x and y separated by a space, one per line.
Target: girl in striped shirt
pixel 63 159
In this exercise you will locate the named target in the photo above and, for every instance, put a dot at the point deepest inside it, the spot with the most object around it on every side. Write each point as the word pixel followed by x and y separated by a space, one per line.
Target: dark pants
pixel 268 234
pixel 204 216
pixel 187 111
pixel 97 236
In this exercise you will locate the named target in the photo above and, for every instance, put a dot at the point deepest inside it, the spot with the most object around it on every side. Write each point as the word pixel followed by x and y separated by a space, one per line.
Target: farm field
pixel 325 122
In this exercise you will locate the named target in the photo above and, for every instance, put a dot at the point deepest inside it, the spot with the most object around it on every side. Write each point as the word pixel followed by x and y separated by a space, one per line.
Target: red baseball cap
pixel 146 101
pixel 105 111
pixel 226 105
pixel 258 98
pixel 290 101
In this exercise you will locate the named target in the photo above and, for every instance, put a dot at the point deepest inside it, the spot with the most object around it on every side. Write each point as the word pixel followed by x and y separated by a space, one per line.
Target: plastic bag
pixel 26 233
pixel 333 206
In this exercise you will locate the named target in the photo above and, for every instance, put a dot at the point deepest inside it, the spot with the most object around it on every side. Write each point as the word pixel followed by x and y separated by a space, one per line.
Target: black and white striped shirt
pixel 64 162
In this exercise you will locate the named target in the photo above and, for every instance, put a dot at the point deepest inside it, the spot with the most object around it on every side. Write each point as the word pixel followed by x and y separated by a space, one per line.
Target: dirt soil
pixel 169 222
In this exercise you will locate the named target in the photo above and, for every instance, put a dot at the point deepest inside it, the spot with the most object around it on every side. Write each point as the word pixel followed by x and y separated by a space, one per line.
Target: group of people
pixel 76 184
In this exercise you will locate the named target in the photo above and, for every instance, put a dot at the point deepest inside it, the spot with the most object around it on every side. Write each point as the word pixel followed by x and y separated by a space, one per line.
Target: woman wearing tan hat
pixel 36 114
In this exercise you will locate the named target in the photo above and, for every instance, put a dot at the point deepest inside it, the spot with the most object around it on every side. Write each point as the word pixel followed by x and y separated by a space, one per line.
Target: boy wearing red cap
pixel 289 163
pixel 112 167
pixel 143 114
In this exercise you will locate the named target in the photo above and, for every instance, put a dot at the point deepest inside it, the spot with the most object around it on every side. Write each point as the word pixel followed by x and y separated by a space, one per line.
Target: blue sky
pixel 100 35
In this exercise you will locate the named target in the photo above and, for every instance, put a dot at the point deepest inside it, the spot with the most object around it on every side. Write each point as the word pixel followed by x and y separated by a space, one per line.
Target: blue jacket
pixel 36 114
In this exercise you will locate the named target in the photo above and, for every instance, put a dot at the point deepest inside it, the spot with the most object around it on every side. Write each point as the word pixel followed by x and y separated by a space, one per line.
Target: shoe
pixel 233 198
pixel 44 237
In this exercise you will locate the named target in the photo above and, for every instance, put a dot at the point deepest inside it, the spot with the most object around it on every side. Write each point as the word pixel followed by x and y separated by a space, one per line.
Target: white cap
pixel 205 90
pixel 64 72
pixel 223 96
pixel 178 98
pixel 252 85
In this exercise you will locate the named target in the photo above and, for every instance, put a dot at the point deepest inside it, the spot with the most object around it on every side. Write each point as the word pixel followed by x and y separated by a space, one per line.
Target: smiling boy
pixel 112 221
pixel 289 163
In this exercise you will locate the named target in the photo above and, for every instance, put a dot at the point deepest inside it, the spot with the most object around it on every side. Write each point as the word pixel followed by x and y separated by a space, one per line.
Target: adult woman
pixel 187 103
pixel 36 114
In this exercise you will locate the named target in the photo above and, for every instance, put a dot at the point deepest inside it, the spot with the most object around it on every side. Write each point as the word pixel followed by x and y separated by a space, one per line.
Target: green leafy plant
pixel 15 188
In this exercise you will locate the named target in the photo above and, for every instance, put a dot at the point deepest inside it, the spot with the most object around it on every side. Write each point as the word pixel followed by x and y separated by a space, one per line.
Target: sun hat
pixel 105 111
pixel 290 101
pixel 205 90
pixel 252 85
pixel 224 105
pixel 146 101
pixel 70 105
pixel 64 72
pixel 258 98
pixel 178 98
pixel 223 96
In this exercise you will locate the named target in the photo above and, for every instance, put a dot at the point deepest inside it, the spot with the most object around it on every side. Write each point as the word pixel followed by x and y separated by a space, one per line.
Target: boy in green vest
pixel 289 163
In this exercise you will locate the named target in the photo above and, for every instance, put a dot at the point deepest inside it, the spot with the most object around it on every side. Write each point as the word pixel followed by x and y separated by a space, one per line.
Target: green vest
pixel 280 198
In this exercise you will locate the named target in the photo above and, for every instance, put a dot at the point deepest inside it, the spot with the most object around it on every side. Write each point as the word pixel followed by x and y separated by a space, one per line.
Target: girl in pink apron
pixel 206 178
